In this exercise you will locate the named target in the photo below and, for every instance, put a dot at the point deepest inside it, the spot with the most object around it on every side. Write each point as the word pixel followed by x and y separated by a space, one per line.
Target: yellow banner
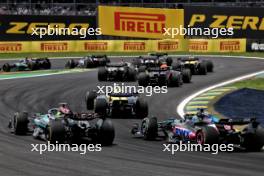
pixel 139 22
pixel 168 45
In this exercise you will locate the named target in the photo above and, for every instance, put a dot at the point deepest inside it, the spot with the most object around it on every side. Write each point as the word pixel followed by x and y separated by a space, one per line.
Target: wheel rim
pixel 200 138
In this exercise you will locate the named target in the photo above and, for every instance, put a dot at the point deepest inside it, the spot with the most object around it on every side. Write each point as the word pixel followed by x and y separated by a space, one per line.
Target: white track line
pixel 181 106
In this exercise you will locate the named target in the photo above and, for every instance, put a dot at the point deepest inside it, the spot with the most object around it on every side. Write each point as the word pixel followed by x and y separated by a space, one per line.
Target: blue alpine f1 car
pixel 202 129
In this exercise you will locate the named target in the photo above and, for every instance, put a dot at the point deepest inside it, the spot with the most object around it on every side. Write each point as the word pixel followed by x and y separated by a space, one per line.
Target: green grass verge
pixel 79 54
pixel 254 83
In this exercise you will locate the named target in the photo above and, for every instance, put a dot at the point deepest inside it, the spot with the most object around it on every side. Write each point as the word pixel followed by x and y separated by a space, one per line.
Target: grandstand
pixel 88 7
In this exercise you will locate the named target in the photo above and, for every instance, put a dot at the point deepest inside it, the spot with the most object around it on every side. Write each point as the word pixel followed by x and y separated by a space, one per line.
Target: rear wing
pixel 239 121
pixel 98 56
pixel 123 94
pixel 158 54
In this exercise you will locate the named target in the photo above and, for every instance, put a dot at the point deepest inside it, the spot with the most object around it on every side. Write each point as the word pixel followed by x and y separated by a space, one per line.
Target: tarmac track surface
pixel 128 156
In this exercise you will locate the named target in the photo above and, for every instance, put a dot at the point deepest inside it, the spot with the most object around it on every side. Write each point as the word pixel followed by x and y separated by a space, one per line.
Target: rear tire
pixel 141 68
pixel 89 98
pixel 174 80
pixel 210 66
pixel 141 109
pixel 254 142
pixel 186 75
pixel 169 61
pixel 131 74
pixel 143 79
pixel 102 74
pixel 46 64
pixel 203 68
pixel 70 64
pixel 106 132
pixel 101 106
pixel 20 123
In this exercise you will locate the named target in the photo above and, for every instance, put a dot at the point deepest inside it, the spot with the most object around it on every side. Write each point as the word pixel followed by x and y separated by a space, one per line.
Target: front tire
pixel 6 67
pixel 141 109
pixel 102 74
pixel 55 132
pixel 207 135
pixel 149 128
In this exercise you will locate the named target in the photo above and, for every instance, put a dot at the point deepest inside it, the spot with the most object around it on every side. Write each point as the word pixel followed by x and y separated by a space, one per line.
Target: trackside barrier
pixel 181 45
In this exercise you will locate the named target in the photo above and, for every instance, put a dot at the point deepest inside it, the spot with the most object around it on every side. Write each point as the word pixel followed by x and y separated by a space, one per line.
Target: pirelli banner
pixel 139 22
pixel 104 46
pixel 23 27
pixel 246 22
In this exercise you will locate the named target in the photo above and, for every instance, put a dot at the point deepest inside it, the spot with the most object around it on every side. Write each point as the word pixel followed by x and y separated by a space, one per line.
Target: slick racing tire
pixel 254 141
pixel 149 128
pixel 207 135
pixel 6 67
pixel 186 75
pixel 143 79
pixel 141 109
pixel 174 80
pixel 46 64
pixel 102 74
pixel 20 123
pixel 106 132
pixel 169 61
pixel 209 66
pixel 89 98
pixel 101 106
pixel 32 66
pixel 88 63
pixel 55 132
pixel 70 64
pixel 202 68
pixel 131 74
pixel 176 65
pixel 142 68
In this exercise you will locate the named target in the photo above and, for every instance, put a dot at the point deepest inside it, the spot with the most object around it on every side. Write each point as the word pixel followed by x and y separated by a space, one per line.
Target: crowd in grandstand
pixel 88 7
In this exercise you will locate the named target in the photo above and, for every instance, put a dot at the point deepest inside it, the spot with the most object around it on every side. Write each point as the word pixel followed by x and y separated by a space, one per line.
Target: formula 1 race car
pixel 117 72
pixel 117 105
pixel 61 125
pixel 164 76
pixel 142 63
pixel 197 66
pixel 28 65
pixel 88 62
pixel 204 129
pixel 163 57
